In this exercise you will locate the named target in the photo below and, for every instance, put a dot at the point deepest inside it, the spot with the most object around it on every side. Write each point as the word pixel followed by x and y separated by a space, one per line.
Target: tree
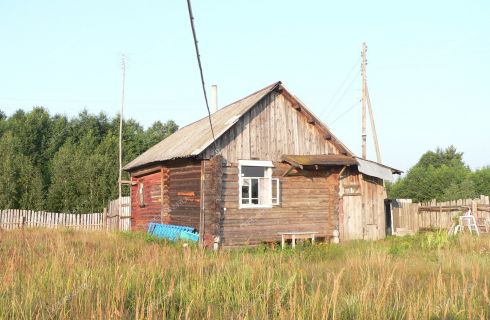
pixel 159 131
pixel 20 180
pixel 432 176
pixel 67 165
pixel 481 180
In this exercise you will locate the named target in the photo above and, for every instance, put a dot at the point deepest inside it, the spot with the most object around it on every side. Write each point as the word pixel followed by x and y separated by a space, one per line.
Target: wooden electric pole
pixel 366 102
pixel 123 65
pixel 364 92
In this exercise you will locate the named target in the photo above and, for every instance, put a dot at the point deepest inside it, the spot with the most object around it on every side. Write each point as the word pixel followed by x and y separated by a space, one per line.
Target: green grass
pixel 47 274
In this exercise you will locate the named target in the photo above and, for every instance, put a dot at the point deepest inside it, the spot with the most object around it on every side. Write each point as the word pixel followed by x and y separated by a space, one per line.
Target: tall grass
pixel 46 274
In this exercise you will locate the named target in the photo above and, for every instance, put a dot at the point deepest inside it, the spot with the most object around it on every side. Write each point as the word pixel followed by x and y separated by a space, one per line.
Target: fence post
pixel 104 219
pixel 474 208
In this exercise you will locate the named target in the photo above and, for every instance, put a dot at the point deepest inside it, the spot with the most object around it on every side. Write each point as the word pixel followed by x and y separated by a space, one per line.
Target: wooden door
pixel 353 217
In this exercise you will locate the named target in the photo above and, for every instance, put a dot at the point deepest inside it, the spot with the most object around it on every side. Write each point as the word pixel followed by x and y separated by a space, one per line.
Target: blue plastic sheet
pixel 172 232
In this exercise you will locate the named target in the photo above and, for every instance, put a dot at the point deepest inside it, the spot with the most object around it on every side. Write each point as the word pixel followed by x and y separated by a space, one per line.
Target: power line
pixel 191 17
pixel 343 94
pixel 345 112
pixel 338 89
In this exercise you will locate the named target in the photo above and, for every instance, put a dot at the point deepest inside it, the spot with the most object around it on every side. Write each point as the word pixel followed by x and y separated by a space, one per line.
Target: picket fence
pixel 108 220
pixel 410 218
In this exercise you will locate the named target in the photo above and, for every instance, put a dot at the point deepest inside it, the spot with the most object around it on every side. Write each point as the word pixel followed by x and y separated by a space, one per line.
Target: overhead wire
pixel 334 96
pixel 345 112
pixel 198 56
pixel 347 88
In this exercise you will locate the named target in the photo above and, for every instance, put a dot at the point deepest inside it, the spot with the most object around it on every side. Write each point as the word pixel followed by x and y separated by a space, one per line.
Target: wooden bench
pixel 293 235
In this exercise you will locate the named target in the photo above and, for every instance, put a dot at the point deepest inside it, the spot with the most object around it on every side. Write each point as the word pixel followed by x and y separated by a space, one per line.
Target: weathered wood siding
pixel 152 194
pixel 309 202
pixel 373 199
pixel 363 212
pixel 269 130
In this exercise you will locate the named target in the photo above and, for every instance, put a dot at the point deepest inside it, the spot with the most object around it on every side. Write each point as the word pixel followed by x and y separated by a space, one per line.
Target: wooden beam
pixel 143 172
pixel 133 183
pixel 297 107
pixel 288 171
pixel 327 136
pixel 311 121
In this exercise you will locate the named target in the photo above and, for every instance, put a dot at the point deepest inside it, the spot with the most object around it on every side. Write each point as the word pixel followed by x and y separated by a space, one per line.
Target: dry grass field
pixel 46 274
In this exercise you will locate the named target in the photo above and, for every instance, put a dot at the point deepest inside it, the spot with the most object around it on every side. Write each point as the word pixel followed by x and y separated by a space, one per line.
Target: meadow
pixel 66 274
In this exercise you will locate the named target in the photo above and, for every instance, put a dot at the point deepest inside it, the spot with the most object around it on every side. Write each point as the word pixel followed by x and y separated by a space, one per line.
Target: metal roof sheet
pixel 377 170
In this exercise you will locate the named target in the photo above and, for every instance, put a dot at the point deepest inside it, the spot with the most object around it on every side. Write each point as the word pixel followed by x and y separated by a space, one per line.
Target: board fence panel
pixel 410 218
pixel 11 219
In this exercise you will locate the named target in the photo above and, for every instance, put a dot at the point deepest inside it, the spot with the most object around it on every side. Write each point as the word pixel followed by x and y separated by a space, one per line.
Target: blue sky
pixel 428 63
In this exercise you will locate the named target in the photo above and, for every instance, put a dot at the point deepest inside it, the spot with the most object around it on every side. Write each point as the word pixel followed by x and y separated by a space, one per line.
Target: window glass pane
pixel 255 188
pixel 255 201
pixel 245 190
pixel 249 171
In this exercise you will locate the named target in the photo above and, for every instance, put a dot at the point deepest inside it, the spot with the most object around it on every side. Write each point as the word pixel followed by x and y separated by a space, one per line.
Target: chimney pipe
pixel 214 97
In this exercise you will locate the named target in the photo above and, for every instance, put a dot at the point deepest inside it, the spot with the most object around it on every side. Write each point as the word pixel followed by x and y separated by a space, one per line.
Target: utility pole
pixel 366 102
pixel 364 99
pixel 123 65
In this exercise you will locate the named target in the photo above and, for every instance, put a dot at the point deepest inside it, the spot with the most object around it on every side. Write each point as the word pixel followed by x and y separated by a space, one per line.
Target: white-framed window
pixel 257 188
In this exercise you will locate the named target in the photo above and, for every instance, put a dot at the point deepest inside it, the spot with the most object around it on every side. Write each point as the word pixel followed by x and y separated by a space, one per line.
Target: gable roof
pixel 196 137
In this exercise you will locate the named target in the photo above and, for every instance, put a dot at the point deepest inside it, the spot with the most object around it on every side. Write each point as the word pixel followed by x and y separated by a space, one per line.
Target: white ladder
pixel 468 221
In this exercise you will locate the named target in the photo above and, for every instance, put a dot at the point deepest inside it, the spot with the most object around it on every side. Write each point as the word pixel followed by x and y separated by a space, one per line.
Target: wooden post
pixel 364 100
pixel 104 219
pixel 474 208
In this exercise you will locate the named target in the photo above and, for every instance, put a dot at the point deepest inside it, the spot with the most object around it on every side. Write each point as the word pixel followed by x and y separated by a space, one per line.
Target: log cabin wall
pixel 184 185
pixel 270 129
pixel 148 208
pixel 309 202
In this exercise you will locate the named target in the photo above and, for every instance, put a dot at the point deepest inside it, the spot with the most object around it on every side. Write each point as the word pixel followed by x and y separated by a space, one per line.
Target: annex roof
pixel 319 160
pixel 366 167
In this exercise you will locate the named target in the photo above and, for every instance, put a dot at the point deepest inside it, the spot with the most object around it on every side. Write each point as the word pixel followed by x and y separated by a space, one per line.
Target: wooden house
pixel 274 167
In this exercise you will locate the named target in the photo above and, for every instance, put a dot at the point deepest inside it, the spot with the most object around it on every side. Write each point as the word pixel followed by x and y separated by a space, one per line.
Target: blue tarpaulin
pixel 172 232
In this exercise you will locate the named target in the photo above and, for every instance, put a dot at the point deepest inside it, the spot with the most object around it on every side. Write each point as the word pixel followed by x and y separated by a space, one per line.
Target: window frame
pixel 267 165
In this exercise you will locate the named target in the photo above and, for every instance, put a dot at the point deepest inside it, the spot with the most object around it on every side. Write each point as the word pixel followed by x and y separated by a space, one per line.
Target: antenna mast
pixel 123 65
pixel 366 101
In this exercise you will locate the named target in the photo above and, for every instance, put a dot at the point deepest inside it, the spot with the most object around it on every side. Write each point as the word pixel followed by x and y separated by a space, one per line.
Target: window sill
pixel 257 206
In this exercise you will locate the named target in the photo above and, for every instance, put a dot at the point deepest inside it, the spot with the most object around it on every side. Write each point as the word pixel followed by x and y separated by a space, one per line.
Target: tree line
pixel 442 175
pixel 60 164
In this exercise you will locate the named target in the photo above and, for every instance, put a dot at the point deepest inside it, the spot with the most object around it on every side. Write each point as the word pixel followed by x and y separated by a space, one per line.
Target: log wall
pixel 309 202
pixel 141 216
pixel 184 185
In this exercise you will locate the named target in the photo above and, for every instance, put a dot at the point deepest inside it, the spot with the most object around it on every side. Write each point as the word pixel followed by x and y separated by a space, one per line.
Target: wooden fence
pixel 119 220
pixel 409 218
pixel 108 220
